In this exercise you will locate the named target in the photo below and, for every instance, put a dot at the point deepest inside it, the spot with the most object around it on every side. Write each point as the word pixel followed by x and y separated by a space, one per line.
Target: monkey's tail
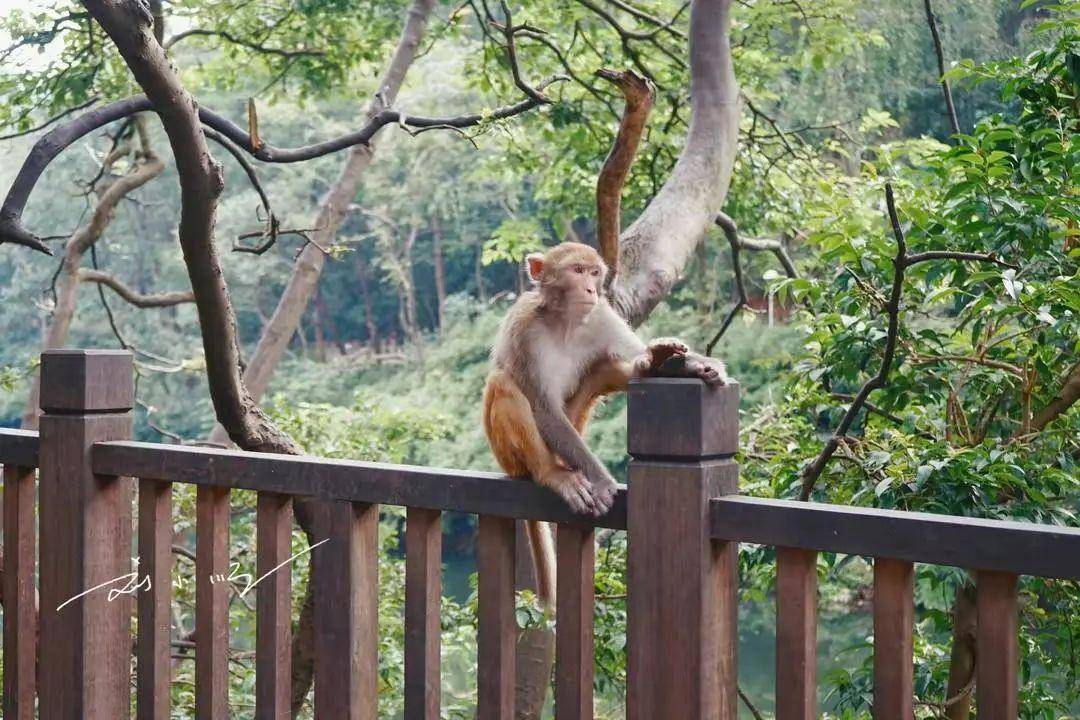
pixel 542 545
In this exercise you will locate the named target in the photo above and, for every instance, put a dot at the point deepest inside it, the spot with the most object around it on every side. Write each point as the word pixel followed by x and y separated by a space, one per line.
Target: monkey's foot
pixel 712 372
pixel 605 495
pixel 577 491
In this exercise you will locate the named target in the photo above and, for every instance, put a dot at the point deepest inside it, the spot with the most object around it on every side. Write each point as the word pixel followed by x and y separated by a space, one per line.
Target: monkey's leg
pixel 519 448
pixel 602 378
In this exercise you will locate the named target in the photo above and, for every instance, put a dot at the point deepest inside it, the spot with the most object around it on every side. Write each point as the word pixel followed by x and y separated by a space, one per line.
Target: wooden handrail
pixel 481 493
pixel 975 543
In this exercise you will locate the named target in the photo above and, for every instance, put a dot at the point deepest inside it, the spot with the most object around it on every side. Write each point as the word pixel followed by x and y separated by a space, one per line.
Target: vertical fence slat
pixel 273 604
pixel 346 611
pixel 574 589
pixel 152 646
pixel 211 602
pixel 20 623
pixel 497 633
pixel 996 646
pixel 796 634
pixel 894 626
pixel 423 600
pixel 85 530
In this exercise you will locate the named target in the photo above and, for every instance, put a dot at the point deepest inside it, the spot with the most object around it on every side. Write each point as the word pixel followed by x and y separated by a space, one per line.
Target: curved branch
pixel 302 52
pixel 54 142
pixel 738 244
pixel 58 116
pixel 655 249
pixel 639 96
pixel 133 296
pixel 1066 398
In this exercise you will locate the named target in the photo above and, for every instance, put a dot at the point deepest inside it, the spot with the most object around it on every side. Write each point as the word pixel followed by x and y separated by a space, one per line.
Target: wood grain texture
pixel 575 550
pixel 85 530
pixel 211 603
pixel 93 381
pixel 796 634
pixel 273 605
pixel 1023 548
pixel 20 593
pixel 681 418
pixel 894 626
pixel 997 659
pixel 346 577
pixel 152 646
pixel 423 601
pixel 497 632
pixel 681 623
pixel 481 493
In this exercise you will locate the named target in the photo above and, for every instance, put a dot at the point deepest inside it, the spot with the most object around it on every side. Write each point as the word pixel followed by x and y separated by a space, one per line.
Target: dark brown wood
pixel 894 625
pixel 152 646
pixel 682 630
pixel 423 594
pixel 497 633
pixel 346 611
pixel 273 624
pixel 87 381
pixel 85 541
pixel 796 634
pixel 423 600
pixel 996 647
pixel 20 597
pixel 19 447
pixel 1024 548
pixel 575 551
pixel 212 603
pixel 481 493
pixel 682 418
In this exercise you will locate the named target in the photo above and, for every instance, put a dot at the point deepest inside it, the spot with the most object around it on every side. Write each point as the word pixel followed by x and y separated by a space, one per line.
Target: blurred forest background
pixel 386 356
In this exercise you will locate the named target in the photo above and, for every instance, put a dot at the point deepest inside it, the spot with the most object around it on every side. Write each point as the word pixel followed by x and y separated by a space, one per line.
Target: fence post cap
pixel 682 418
pixel 87 381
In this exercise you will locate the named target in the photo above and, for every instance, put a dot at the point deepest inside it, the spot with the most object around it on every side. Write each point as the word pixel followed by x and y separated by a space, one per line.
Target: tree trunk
pixel 962 661
pixel 657 246
pixel 440 270
pixel 309 264
pixel 408 286
pixel 68 281
pixel 369 312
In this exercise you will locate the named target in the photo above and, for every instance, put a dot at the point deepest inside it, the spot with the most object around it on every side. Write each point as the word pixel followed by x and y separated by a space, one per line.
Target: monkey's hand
pixel 661 350
pixel 582 496
pixel 692 365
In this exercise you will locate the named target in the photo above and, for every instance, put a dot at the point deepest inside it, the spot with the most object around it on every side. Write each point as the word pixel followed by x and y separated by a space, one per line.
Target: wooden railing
pixel 682 513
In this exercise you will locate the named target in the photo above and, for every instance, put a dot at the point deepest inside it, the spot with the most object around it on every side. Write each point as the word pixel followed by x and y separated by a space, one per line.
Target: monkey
pixel 561 347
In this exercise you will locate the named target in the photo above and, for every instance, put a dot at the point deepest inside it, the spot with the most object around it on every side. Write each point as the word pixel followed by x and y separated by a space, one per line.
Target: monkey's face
pixel 570 277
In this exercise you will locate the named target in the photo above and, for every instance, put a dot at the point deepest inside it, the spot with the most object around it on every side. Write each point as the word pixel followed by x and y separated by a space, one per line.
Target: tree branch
pixel 133 296
pixel 61 137
pixel 1067 396
pixel 280 52
pixel 738 244
pixel 814 469
pixel 58 116
pixel 639 94
pixel 946 90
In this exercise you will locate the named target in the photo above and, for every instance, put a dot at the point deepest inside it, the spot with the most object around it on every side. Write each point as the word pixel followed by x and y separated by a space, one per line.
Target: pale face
pixel 580 282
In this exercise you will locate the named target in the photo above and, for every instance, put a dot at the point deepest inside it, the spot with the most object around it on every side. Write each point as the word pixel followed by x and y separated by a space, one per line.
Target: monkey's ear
pixel 534 265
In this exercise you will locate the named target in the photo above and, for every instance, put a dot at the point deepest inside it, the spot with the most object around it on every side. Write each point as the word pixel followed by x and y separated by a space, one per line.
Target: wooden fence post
pixel 682 607
pixel 85 649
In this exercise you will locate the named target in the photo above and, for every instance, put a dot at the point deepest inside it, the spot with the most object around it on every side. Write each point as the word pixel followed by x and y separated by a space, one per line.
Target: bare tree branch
pixel 61 137
pixel 738 244
pixel 946 90
pixel 638 93
pixel 280 52
pixel 58 116
pixel 133 296
pixel 1066 397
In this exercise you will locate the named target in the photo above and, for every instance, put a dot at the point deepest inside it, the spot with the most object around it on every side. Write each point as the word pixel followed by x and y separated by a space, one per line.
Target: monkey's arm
pixel 563 440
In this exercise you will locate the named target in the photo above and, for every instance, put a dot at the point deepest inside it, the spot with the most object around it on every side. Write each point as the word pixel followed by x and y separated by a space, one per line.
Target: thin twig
pixel 946 90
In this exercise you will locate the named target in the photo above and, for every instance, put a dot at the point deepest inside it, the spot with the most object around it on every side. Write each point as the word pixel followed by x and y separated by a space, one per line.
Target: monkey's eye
pixel 596 272
pixel 579 269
